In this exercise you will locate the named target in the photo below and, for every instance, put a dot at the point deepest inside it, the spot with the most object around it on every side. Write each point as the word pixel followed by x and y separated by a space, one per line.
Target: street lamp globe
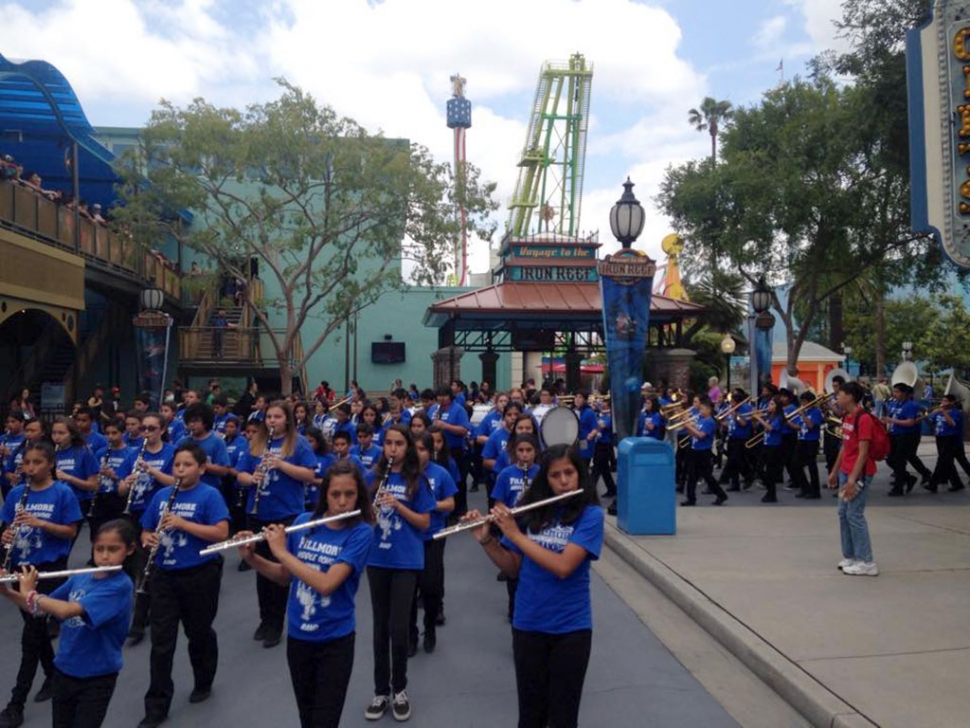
pixel 152 299
pixel 761 297
pixel 728 345
pixel 627 216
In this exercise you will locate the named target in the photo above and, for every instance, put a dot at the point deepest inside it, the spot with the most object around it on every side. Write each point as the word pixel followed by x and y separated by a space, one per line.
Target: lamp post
pixel 727 348
pixel 153 329
pixel 627 217
pixel 764 322
pixel 847 350
pixel 907 350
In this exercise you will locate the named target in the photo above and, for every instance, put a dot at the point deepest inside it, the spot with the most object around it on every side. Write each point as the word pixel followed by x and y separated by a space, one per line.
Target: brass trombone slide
pixel 734 408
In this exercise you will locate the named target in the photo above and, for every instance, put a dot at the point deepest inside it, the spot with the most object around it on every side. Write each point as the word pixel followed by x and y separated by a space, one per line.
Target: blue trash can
pixel 646 502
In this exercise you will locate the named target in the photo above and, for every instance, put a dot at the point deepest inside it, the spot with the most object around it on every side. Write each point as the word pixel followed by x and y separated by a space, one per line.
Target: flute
pixel 514 511
pixel 12 578
pixel 256 538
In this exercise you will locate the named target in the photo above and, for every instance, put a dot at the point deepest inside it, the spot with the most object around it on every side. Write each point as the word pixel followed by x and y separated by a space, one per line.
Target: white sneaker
pixel 862 568
pixel 401 706
pixel 845 562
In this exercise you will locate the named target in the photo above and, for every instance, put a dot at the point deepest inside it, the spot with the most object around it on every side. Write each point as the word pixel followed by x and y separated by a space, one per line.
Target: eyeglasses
pixel 150 429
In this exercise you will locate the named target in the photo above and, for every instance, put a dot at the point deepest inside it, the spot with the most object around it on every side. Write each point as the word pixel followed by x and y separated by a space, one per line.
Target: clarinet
pixel 94 498
pixel 21 505
pixel 139 469
pixel 261 470
pixel 143 588
pixel 382 487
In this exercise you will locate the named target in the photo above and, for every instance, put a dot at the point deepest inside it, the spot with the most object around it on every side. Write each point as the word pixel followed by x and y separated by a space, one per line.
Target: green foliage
pixel 329 210
pixel 711 115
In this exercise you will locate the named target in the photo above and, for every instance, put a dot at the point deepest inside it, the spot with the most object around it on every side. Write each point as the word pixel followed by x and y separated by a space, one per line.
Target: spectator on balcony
pixel 219 325
pixel 35 183
pixel 195 270
pixel 96 215
pixel 25 406
pixel 9 169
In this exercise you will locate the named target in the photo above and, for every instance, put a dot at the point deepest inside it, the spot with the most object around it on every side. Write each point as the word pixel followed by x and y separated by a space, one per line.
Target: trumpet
pixel 468 525
pixel 41 576
pixel 256 538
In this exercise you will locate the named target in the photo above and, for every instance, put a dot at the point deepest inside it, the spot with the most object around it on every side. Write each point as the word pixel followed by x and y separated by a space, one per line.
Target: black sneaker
pixel 273 637
pixel 439 621
pixel 200 695
pixel 401 706
pixel 688 503
pixel 260 634
pixel 895 492
pixel 45 692
pixel 378 706
pixel 135 635
pixel 413 643
pixel 11 717
pixel 430 640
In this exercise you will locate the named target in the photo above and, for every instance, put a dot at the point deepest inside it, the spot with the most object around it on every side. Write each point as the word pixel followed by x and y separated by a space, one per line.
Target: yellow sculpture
pixel 672 245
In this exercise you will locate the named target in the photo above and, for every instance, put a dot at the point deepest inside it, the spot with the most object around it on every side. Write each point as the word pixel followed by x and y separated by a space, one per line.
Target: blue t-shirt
pixel 708 426
pixel 79 462
pixel 199 504
pixel 145 485
pixel 491 422
pixel 55 503
pixel 908 410
pixel 311 616
pixel 774 435
pixel 90 645
pixel 368 458
pixel 543 601
pixel 215 450
pixel 737 431
pixel 787 431
pixel 121 461
pixel 454 415
pixel 219 423
pixel 281 496
pixel 312 492
pixel 176 430
pixel 12 443
pixel 942 429
pixel 398 544
pixel 813 433
pixel 588 421
pixel 443 486
pixel 97 443
pixel 132 441
pixel 510 484
pixel 653 418
pixel 605 422
pixel 497 443
pixel 235 449
pixel 349 427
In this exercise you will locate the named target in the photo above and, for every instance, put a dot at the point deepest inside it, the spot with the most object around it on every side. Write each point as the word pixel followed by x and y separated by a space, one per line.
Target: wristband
pixel 32 597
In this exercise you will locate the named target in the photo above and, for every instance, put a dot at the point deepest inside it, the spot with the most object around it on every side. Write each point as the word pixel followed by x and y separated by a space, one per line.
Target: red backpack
pixel 879 447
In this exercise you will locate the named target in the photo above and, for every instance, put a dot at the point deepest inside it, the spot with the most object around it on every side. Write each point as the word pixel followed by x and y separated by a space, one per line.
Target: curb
pixel 818 704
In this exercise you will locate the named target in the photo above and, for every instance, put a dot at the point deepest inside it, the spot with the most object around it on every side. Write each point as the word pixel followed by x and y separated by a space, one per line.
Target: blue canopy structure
pixel 40 121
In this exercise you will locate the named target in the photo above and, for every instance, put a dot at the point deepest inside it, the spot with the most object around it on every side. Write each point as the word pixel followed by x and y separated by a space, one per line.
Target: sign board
pixel 152 320
pixel 552 274
pixel 52 397
pixel 938 80
pixel 627 268
pixel 553 252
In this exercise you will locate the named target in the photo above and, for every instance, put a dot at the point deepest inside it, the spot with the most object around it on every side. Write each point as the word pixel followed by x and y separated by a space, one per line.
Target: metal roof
pixel 40 117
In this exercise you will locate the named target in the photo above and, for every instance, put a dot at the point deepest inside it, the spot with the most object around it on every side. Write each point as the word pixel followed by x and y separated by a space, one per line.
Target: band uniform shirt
pixel 810 434
pixel 737 431
pixel 78 461
pixel 281 496
pixel 442 486
pixel 708 426
pixel 216 453
pixel 398 544
pixel 510 484
pixel 773 436
pixel 56 504
pixel 199 504
pixel 145 485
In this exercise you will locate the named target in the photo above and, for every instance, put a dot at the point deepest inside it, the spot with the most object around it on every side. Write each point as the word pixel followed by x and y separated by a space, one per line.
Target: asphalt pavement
pixel 633 680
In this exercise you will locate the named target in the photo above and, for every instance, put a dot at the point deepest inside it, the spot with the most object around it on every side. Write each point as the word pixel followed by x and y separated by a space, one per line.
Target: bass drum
pixel 560 426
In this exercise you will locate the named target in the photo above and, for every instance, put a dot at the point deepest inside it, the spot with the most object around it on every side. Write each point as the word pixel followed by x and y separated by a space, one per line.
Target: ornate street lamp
pixel 907 350
pixel 761 297
pixel 728 346
pixel 152 299
pixel 627 216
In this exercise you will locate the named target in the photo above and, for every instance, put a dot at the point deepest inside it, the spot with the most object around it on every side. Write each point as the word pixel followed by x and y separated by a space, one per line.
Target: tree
pixel 946 344
pixel 721 293
pixel 911 319
pixel 709 117
pixel 329 210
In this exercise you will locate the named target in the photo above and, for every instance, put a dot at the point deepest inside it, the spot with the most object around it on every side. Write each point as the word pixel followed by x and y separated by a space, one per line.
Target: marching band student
pixel 369 415
pixel 650 421
pixel 94 611
pixel 320 414
pixel 904 434
pixel 405 502
pixel 96 442
pixel 524 425
pixel 324 460
pixel 279 469
pixel 789 436
pixel 133 429
pixel 499 439
pixel 773 422
pixel 493 420
pixel 365 451
pixel 116 463
pixel 10 443
pixel 321 568
pixel 399 403
pixel 740 429
pixel 948 428
pixel 238 520
pixel 420 422
pixel 236 445
pixel 199 418
pixel 173 425
pixel 147 474
pixel 604 456
pixel 343 423
pixel 702 432
pixel 806 454
pixel 220 414
pixel 831 444
pixel 431 581
pixel 76 465
pixel 34 431
pixel 550 551
pixel 184 584
pixel 453 419
pixel 40 535
pixel 342 442
pixel 587 423
pixel 301 415
pixel 682 457
pixel 442 456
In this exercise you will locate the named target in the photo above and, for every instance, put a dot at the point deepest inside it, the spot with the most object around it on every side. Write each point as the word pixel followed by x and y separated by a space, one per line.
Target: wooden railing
pixel 240 345
pixel 56 224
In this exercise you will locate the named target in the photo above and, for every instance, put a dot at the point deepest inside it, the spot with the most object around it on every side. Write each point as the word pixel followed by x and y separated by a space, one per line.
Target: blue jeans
pixel 852 521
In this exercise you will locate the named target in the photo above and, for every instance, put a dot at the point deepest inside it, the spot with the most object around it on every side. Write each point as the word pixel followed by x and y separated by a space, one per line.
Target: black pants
pixel 81 702
pixel 320 672
pixel 681 460
pixel 903 451
pixel 430 585
pixel 702 462
pixel 737 463
pixel 773 474
pixel 461 497
pixel 271 596
pixel 806 456
pixel 189 596
pixel 603 457
pixel 391 596
pixel 549 673
pixel 960 454
pixel 946 470
pixel 107 507
pixel 789 454
pixel 831 447
pixel 143 599
pixel 35 643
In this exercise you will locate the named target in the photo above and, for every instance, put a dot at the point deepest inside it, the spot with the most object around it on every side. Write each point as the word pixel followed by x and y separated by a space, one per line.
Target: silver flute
pixel 257 537
pixel 468 525
pixel 12 578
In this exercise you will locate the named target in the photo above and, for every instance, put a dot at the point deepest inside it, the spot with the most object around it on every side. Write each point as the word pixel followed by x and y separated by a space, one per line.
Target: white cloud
pixel 387 65
pixel 820 17
pixel 771 32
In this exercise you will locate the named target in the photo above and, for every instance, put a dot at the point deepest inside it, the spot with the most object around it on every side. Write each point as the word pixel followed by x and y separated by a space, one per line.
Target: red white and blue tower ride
pixel 459 118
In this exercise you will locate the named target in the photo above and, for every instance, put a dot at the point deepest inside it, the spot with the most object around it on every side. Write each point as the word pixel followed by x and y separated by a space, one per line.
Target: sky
pixel 387 64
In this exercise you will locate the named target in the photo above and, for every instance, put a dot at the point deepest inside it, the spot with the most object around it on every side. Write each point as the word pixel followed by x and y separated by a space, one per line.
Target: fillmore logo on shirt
pixel 76 596
pixel 554 538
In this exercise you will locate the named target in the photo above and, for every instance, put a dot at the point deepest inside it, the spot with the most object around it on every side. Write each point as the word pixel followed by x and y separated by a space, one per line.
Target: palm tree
pixel 708 118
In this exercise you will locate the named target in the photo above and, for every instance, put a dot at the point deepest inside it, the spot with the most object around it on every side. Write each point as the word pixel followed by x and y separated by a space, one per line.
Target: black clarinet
pixel 382 486
pixel 21 505
pixel 261 470
pixel 94 499
pixel 159 530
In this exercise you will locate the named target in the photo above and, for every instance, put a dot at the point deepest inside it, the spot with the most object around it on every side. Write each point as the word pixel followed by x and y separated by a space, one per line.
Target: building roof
pixel 562 299
pixel 810 351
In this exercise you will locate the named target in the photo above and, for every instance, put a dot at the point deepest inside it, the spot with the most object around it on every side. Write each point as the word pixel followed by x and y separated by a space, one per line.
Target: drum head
pixel 560 426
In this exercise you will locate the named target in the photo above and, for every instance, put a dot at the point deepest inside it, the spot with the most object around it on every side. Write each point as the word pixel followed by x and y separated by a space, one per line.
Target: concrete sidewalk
pixel 844 651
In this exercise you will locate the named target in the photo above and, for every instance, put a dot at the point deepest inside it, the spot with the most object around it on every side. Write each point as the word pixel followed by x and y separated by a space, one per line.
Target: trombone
pixel 929 413
pixel 682 423
pixel 734 408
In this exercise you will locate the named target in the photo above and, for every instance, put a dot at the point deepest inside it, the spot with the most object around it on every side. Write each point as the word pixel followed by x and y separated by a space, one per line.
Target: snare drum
pixel 560 426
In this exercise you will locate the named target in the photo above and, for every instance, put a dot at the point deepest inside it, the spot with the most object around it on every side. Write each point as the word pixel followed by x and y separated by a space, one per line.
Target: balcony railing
pixel 241 346
pixel 55 224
